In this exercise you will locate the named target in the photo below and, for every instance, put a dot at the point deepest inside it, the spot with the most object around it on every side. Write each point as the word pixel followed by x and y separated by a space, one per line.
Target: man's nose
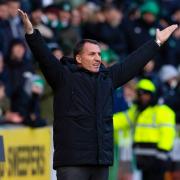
pixel 98 58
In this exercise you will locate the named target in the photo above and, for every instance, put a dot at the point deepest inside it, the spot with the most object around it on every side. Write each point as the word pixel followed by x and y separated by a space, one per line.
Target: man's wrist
pixel 158 42
pixel 30 31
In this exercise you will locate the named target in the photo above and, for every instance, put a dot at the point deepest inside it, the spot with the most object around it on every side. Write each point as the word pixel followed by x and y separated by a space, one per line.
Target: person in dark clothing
pixel 83 93
pixel 4 75
pixel 27 103
pixel 17 66
pixel 170 88
pixel 143 29
pixel 110 32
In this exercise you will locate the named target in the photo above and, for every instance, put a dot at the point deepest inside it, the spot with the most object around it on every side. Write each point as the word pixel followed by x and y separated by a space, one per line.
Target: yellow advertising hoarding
pixel 27 154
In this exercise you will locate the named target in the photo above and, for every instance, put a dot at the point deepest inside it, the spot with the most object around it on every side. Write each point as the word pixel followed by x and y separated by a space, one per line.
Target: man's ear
pixel 78 59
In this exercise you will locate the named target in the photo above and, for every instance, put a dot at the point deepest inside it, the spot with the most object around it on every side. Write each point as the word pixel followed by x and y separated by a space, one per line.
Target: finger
pixel 157 31
pixel 21 13
pixel 26 16
pixel 172 28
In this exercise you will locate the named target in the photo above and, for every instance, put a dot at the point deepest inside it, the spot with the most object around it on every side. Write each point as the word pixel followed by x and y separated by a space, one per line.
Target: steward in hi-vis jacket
pixel 153 129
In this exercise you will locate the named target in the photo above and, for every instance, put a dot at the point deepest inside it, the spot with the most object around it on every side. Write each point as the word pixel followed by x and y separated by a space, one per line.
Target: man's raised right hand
pixel 27 23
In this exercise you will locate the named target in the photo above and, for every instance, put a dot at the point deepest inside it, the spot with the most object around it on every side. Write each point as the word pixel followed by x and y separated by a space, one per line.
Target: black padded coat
pixel 83 129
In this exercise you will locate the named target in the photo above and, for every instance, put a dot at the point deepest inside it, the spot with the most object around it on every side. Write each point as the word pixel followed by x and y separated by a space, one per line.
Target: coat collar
pixel 72 65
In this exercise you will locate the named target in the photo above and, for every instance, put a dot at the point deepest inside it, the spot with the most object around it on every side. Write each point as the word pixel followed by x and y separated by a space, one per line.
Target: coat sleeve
pixel 50 66
pixel 166 124
pixel 133 64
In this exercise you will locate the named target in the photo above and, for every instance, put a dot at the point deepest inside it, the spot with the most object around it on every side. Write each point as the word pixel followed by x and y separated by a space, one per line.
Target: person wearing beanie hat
pixel 83 93
pixel 64 13
pixel 65 6
pixel 150 7
pixel 170 88
pixel 144 28
pixel 168 72
pixel 149 12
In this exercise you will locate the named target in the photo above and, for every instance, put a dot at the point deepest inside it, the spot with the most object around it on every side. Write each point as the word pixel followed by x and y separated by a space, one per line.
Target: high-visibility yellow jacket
pixel 154 125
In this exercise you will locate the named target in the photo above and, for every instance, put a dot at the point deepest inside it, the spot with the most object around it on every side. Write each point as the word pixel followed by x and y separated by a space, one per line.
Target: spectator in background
pixel 143 28
pixel 123 139
pixel 150 73
pixel 67 35
pixel 150 125
pixel 110 32
pixel 132 13
pixel 129 92
pixel 76 21
pixel 6 115
pixel 14 20
pixel 4 27
pixel 3 10
pixel 4 75
pixel 11 25
pixel 27 102
pixel 56 50
pixel 36 18
pixel 174 43
pixel 4 103
pixel 91 16
pixel 140 30
pixel 87 10
pixel 109 57
pixel 17 67
pixel 50 17
pixel 171 88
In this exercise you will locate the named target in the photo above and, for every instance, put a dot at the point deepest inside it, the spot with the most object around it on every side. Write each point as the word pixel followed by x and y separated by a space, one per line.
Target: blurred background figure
pixel 4 75
pixel 6 115
pixel 17 65
pixel 171 88
pixel 144 28
pixel 150 126
pixel 110 31
pixel 4 103
pixel 56 50
pixel 4 15
pixel 27 103
pixel 15 24
pixel 37 21
pixel 67 35
pixel 123 162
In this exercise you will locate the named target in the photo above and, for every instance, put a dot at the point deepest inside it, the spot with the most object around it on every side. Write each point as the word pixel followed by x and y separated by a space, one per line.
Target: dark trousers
pixel 83 173
pixel 153 175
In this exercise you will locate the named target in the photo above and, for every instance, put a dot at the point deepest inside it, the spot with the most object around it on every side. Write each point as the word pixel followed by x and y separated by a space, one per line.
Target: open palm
pixel 165 33
pixel 27 23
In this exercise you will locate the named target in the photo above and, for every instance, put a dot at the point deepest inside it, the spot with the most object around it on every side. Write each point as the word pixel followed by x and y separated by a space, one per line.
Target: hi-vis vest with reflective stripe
pixel 156 124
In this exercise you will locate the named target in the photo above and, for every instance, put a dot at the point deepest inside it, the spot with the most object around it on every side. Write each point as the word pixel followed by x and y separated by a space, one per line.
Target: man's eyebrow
pixel 94 52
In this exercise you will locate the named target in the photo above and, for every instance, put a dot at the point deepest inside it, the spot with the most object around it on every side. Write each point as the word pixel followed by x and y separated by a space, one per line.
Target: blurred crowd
pixel 121 26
